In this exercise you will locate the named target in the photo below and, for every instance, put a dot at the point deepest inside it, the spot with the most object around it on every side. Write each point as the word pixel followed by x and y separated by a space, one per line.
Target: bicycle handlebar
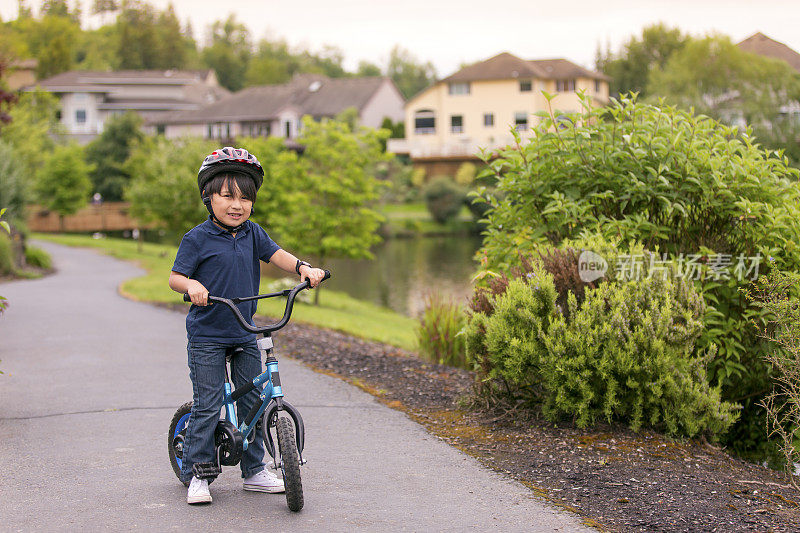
pixel 291 293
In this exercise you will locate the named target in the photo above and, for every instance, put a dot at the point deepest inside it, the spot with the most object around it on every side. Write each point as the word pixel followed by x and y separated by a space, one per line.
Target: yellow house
pixel 477 106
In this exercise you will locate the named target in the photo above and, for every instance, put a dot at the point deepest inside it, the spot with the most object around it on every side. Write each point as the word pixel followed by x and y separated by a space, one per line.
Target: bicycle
pixel 232 439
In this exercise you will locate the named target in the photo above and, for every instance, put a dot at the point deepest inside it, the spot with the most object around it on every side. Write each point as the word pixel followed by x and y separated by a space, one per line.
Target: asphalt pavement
pixel 91 381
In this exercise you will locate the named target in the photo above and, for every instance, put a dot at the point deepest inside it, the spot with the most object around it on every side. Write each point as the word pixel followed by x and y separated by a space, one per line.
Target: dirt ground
pixel 615 479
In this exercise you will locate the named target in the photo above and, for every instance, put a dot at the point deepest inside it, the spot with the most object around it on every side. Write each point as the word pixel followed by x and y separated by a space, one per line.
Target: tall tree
pixel 109 152
pixel 330 213
pixel 629 70
pixel 136 35
pixel 228 52
pixel 717 78
pixel 63 183
pixel 409 74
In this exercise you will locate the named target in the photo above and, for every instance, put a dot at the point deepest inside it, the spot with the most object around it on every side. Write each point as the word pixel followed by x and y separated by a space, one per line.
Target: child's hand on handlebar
pixel 197 293
pixel 314 275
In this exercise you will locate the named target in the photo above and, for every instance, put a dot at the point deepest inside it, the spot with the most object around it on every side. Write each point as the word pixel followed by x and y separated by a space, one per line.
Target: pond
pixel 405 271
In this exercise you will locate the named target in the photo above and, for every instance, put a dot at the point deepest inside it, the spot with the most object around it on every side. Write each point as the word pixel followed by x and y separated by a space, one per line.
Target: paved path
pixel 92 379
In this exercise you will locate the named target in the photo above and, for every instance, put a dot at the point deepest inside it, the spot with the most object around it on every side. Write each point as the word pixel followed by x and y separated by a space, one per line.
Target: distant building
pixel 88 99
pixel 21 73
pixel 477 106
pixel 762 45
pixel 276 110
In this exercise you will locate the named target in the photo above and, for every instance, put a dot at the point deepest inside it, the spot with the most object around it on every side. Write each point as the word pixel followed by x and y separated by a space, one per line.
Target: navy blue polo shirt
pixel 229 268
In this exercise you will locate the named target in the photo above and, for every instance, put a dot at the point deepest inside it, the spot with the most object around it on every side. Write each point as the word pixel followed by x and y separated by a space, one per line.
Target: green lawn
pixel 336 310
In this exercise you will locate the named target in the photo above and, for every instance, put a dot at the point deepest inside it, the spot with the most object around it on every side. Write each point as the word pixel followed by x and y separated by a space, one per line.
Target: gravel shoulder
pixel 617 480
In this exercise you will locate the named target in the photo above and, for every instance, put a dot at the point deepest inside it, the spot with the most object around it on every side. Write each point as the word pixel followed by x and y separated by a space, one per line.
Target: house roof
pixel 760 44
pixel 199 86
pixel 505 66
pixel 309 94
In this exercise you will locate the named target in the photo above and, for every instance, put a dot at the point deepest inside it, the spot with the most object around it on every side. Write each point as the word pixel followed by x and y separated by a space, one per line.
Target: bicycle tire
pixel 290 464
pixel 176 436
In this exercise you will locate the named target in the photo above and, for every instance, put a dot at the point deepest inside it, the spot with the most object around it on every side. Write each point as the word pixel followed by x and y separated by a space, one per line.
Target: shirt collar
pixel 213 229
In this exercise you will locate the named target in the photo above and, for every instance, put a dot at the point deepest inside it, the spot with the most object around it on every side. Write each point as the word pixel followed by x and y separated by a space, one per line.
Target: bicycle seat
pixel 232 351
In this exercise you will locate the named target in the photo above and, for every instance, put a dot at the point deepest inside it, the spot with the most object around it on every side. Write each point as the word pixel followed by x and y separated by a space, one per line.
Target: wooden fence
pixel 108 216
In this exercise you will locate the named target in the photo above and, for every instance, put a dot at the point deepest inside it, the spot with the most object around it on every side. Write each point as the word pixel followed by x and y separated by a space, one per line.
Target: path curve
pixel 92 379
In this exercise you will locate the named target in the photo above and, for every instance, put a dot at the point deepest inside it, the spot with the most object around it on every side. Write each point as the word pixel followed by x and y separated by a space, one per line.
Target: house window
pixel 521 120
pixel 219 130
pixel 488 119
pixel 161 129
pixel 256 129
pixel 424 122
pixel 80 116
pixel 457 124
pixel 287 129
pixel 458 88
pixel 565 85
pixel 597 86
pixel 525 86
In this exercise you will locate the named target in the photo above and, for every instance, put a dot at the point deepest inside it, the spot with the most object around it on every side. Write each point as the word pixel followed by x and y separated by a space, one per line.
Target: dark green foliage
pixel 409 74
pixel 444 198
pixel 109 152
pixel 14 191
pixel 630 69
pixel 438 332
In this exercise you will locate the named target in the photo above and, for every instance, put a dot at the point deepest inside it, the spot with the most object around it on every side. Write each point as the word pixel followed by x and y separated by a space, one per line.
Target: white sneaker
pixel 264 481
pixel 198 491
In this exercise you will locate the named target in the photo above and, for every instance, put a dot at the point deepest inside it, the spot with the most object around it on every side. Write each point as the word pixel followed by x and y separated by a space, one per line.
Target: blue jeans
pixel 207 372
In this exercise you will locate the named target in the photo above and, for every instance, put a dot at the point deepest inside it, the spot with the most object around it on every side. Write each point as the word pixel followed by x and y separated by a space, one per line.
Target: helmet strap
pixel 229 229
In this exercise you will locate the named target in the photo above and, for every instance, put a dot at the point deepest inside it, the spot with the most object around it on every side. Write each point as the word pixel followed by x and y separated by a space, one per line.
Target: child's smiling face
pixel 229 206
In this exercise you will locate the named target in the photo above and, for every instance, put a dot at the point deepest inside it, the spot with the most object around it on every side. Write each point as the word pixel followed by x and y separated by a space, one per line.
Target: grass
pixel 336 310
pixel 413 219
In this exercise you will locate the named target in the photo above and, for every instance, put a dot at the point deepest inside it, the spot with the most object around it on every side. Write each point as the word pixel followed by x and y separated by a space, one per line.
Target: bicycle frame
pixel 271 402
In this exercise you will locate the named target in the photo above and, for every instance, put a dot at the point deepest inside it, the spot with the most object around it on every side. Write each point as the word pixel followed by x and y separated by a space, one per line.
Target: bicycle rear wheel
pixel 290 464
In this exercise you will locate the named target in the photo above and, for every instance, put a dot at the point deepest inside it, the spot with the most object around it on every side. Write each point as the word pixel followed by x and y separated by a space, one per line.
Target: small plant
pixel 777 295
pixel 439 335
pixel 444 199
pixel 36 257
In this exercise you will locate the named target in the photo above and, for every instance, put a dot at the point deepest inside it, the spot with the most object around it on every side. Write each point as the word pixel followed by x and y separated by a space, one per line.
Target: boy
pixel 221 256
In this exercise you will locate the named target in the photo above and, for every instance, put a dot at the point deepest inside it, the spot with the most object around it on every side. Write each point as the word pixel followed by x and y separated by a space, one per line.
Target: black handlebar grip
pixel 186 298
pixel 327 275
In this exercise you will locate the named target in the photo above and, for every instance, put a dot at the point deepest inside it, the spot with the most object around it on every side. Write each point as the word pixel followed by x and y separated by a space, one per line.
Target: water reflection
pixel 404 271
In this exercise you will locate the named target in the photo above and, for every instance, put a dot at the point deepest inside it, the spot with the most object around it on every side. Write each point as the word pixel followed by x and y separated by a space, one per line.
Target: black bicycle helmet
pixel 229 159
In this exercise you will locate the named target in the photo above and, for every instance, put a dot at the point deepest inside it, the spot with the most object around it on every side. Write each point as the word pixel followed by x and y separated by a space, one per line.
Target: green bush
pixel 438 335
pixel 6 255
pixel 36 257
pixel 675 182
pixel 626 354
pixel 444 199
pixel 779 296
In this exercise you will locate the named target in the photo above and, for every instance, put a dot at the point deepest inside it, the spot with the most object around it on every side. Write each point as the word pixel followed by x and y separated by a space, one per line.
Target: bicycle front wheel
pixel 290 464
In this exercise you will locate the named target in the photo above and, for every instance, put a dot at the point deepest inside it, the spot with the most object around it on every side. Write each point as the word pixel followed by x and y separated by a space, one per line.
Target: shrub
pixel 675 182
pixel 626 354
pixel 466 173
pixel 36 257
pixel 444 199
pixel 6 255
pixel 438 332
pixel 777 295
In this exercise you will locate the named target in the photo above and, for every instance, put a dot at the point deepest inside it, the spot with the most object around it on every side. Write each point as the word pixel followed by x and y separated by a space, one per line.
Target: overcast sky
pixel 449 33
